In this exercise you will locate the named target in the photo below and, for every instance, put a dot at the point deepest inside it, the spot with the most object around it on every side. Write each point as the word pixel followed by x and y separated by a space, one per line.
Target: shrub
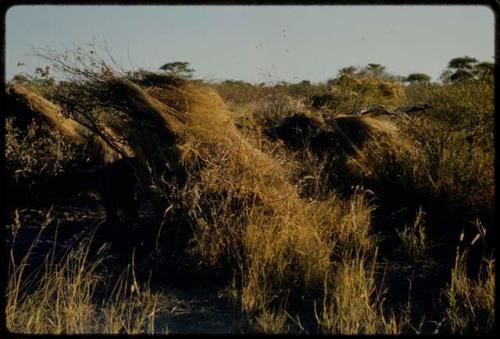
pixel 37 150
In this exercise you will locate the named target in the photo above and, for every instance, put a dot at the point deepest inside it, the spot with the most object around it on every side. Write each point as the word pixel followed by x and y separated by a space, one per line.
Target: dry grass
pixel 359 91
pixel 377 143
pixel 414 238
pixel 471 302
pixel 271 322
pixel 36 150
pixel 351 302
pixel 72 130
pixel 60 296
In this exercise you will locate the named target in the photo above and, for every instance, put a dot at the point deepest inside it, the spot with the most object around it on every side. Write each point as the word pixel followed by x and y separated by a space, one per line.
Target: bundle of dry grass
pixel 361 90
pixel 355 136
pixel 368 137
pixel 72 130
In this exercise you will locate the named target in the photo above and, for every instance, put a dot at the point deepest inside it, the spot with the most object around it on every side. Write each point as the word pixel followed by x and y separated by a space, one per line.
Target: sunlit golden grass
pixel 271 322
pixel 352 304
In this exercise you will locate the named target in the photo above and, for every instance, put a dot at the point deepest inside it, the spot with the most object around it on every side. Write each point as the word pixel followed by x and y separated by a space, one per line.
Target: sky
pixel 256 43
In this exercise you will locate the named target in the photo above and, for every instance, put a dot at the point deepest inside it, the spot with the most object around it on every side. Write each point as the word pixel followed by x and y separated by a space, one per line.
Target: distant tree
pixel 460 69
pixel 378 71
pixel 484 71
pixel 446 75
pixel 418 78
pixel 178 68
pixel 461 75
pixel 464 62
pixel 231 82
pixel 375 69
pixel 349 70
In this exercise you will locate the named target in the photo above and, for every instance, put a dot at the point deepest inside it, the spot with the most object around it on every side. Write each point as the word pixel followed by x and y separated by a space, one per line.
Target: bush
pixel 456 141
pixel 35 150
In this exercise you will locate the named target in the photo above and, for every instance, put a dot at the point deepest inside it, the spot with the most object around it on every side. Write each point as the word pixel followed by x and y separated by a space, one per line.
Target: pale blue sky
pixel 289 43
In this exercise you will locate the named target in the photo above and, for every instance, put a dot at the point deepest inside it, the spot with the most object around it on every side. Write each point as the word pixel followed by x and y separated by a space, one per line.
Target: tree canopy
pixel 464 62
pixel 178 68
pixel 418 77
pixel 468 69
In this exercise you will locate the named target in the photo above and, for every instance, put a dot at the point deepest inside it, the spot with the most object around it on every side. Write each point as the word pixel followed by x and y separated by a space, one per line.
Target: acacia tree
pixel 379 71
pixel 464 62
pixel 418 78
pixel 465 68
pixel 178 68
pixel 349 70
pixel 376 70
pixel 459 69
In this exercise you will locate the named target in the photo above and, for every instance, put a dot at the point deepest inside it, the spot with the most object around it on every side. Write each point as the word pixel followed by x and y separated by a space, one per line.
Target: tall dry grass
pixel 70 293
pixel 471 300
pixel 352 303
pixel 414 238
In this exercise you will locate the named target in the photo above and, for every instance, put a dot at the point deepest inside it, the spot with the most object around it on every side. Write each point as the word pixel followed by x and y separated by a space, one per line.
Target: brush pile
pixel 97 142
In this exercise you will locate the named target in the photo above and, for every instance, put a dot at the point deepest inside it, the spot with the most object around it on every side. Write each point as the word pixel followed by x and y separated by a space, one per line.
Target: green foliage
pixel 455 139
pixel 464 62
pixel 350 70
pixel 485 71
pixel 377 70
pixel 178 68
pixel 418 77
pixel 465 69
